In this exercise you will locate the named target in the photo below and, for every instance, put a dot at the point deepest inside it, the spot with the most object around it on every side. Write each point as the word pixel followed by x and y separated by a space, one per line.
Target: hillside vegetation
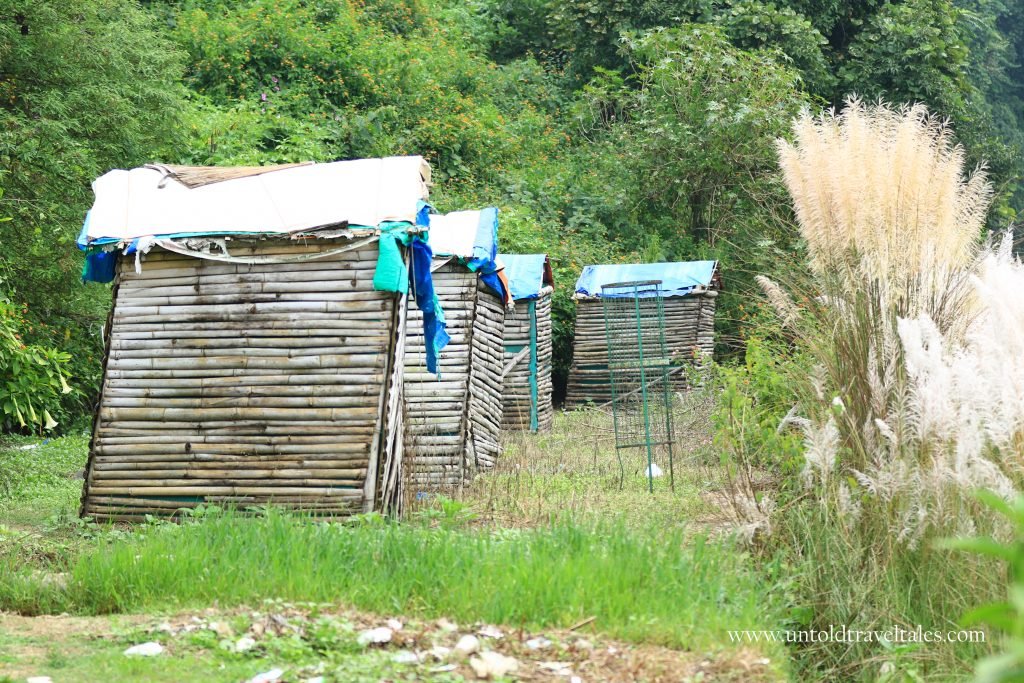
pixel 602 129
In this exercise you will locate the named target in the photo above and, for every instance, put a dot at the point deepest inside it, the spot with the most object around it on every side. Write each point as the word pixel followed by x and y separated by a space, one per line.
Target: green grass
pixel 650 587
pixel 581 544
pixel 38 483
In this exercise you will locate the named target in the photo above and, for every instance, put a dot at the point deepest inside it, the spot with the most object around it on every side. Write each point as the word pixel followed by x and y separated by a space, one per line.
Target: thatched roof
pixel 197 176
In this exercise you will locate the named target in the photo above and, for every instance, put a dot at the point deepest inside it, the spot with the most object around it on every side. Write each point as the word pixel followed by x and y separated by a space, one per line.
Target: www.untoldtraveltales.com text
pixel 841 634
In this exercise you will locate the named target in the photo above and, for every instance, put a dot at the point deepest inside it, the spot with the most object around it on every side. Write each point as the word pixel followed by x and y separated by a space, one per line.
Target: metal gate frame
pixel 639 368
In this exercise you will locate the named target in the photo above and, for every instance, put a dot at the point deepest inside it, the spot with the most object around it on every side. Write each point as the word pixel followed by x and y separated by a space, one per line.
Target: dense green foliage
pixel 31 376
pixel 604 130
pixel 84 87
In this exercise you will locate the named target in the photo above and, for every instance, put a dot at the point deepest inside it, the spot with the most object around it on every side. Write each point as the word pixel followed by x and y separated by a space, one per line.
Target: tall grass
pixel 893 299
pixel 640 586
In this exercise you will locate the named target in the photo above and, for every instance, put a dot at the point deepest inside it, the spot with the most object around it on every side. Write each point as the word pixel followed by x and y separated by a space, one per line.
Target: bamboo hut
pixel 454 417
pixel 253 345
pixel 526 375
pixel 689 290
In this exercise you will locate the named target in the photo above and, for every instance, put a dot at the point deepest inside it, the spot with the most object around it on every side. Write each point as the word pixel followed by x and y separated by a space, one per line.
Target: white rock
pixel 575 679
pixel 439 652
pixel 443 668
pixel 164 627
pixel 467 645
pixel 446 625
pixel 375 636
pixel 563 668
pixel 491 664
pixel 394 624
pixel 539 643
pixel 405 657
pixel 221 628
pixel 489 631
pixel 654 471
pixel 244 644
pixel 38 679
pixel 271 676
pixel 145 650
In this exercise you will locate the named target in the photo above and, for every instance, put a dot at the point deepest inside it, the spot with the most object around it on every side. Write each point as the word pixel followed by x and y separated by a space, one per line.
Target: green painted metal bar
pixel 534 401
pixel 634 317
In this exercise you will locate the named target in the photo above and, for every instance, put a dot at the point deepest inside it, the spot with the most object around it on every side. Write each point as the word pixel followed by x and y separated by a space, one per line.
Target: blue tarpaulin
pixel 677 279
pixel 525 274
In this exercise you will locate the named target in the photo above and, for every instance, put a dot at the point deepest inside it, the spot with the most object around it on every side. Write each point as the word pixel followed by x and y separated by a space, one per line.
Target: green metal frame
pixel 639 369
pixel 534 419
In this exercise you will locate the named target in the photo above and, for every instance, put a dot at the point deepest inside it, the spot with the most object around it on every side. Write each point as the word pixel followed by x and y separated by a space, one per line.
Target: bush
pixel 32 378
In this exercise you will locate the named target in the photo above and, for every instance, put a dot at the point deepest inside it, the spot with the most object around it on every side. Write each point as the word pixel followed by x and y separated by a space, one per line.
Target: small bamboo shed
pixel 689 290
pixel 454 417
pixel 253 346
pixel 526 375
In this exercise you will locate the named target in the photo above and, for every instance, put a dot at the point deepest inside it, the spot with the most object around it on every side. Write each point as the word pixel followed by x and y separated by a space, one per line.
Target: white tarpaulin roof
pixel 365 192
pixel 466 234
pixel 454 234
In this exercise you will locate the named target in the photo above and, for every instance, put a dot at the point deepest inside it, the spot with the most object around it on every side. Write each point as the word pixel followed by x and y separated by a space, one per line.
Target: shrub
pixel 31 376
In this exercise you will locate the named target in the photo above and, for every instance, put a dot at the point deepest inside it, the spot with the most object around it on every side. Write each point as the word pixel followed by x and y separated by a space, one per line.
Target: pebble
pixel 443 668
pixel 539 643
pixel 221 628
pixel 490 664
pixel 394 624
pixel 405 657
pixel 244 644
pixel 489 631
pixel 144 650
pixel 375 636
pixel 272 676
pixel 439 652
pixel 467 645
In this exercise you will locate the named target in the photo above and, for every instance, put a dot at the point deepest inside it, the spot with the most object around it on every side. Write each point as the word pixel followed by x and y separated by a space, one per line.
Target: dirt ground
pixel 564 655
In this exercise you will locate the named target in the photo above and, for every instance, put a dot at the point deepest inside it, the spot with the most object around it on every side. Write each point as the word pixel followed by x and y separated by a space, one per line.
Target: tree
pixel 696 130
pixel 84 87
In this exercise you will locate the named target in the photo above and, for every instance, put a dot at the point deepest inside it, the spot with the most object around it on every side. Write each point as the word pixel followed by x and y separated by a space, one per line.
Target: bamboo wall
pixel 241 384
pixel 689 339
pixel 522 325
pixel 452 422
pixel 485 378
